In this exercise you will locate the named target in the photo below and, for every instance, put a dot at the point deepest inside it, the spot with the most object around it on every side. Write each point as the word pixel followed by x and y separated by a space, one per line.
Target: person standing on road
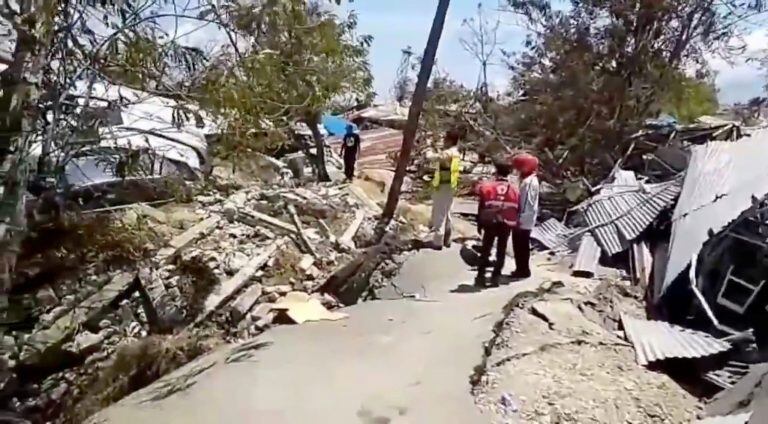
pixel 526 166
pixel 445 181
pixel 496 216
pixel 350 150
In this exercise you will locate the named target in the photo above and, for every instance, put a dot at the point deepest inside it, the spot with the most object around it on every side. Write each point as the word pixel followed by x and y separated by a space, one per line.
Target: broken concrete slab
pixel 180 242
pixel 245 301
pixel 349 233
pixel 565 317
pixel 231 286
pixel 40 345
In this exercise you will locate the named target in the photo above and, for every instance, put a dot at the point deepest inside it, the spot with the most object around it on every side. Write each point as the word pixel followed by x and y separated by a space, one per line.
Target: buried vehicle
pixel 110 176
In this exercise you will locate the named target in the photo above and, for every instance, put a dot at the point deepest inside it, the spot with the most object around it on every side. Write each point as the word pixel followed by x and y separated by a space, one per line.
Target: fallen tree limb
pixel 300 231
pixel 352 280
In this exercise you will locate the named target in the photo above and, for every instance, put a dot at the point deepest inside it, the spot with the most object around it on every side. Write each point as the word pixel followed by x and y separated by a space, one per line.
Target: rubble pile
pixel 232 267
pixel 683 214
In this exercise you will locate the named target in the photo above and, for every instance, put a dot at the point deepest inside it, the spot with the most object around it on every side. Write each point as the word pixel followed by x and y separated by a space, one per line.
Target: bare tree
pixel 403 84
pixel 482 43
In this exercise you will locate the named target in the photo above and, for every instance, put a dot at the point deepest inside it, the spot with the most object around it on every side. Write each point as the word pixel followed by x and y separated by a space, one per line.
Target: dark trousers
pixel 497 233
pixel 521 246
pixel 349 166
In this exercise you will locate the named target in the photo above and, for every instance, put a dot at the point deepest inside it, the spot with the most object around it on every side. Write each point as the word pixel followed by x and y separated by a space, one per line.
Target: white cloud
pixel 742 78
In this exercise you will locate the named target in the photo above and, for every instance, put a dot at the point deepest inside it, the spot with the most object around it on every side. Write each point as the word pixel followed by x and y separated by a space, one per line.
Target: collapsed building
pixel 685 214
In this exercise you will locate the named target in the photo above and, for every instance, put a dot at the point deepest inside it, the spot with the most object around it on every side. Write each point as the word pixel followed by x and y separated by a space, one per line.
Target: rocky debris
pixel 550 361
pixel 233 265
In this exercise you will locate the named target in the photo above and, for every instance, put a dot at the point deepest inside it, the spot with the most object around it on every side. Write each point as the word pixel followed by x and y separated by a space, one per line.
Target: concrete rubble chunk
pixel 46 297
pixel 253 217
pixel 349 233
pixel 306 263
pixel 231 286
pixel 245 302
pixel 180 242
pixel 146 210
pixel 86 343
pixel 41 343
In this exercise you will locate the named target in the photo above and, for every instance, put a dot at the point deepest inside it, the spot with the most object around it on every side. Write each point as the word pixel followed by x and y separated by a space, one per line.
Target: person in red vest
pixel 496 216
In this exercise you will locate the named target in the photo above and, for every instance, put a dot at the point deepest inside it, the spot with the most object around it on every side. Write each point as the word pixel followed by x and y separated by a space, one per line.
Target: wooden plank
pixel 234 284
pixel 364 199
pixel 300 230
pixel 186 238
pixel 271 221
pixel 349 233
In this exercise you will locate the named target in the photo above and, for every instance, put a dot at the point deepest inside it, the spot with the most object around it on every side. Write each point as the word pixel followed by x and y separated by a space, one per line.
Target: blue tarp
pixel 336 125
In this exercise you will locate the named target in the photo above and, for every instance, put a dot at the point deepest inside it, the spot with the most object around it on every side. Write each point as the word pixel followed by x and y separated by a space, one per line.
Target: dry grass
pixel 135 366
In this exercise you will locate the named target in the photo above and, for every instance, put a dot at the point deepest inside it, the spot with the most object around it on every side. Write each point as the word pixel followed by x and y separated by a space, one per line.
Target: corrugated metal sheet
pixel 729 375
pixel 658 340
pixel 618 216
pixel 551 233
pixel 587 257
pixel 728 419
pixel 719 184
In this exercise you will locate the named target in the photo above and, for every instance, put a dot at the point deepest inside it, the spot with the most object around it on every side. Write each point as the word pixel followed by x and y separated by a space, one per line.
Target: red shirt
pixel 499 195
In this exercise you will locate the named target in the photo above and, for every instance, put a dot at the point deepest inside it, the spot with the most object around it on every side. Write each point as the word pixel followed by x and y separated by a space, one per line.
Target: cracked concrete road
pixel 394 361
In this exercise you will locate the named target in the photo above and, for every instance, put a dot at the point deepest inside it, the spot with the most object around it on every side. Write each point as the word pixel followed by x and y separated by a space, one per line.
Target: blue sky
pixel 395 24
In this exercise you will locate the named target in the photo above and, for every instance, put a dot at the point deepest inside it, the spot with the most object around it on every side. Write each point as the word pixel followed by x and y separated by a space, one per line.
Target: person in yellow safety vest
pixel 445 181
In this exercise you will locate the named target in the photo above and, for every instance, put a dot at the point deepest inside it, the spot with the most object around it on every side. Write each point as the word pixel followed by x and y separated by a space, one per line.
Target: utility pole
pixel 414 113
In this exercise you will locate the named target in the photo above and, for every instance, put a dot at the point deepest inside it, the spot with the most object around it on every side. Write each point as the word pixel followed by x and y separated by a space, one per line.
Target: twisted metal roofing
pixel 657 340
pixel 551 233
pixel 587 257
pixel 618 216
pixel 721 180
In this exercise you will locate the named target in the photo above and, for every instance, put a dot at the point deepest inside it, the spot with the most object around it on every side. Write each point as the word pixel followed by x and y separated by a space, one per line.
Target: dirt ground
pixel 549 363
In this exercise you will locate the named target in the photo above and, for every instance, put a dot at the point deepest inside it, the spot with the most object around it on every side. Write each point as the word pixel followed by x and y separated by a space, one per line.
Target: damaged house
pixel 127 146
pixel 717 258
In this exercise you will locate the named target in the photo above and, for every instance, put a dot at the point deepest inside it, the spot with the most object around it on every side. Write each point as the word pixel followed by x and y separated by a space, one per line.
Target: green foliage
pixel 689 98
pixel 300 60
pixel 593 73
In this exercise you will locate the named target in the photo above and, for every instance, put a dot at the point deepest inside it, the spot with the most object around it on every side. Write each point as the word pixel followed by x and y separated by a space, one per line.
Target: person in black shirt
pixel 350 148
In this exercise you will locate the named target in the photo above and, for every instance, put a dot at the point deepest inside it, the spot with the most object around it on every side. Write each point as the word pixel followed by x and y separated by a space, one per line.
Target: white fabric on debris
pixel 529 202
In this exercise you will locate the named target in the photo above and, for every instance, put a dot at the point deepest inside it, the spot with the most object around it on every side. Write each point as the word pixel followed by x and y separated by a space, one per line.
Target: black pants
pixel 497 233
pixel 349 166
pixel 521 245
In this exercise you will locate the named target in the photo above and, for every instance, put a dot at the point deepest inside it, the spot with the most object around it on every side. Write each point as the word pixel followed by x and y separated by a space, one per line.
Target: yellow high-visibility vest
pixel 455 168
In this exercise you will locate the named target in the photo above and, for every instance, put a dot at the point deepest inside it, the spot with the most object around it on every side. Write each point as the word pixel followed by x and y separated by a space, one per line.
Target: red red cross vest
pixel 499 200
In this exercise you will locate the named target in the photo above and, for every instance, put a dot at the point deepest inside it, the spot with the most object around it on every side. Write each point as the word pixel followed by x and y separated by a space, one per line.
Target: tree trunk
pixel 414 113
pixel 322 172
pixel 19 84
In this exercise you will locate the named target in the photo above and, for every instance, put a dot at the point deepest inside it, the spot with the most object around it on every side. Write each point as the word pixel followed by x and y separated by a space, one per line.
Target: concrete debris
pixel 219 270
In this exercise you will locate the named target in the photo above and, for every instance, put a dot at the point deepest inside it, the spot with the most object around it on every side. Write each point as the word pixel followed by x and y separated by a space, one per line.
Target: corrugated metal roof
pixel 587 257
pixel 551 233
pixel 728 419
pixel 619 215
pixel 658 340
pixel 719 184
pixel 728 375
